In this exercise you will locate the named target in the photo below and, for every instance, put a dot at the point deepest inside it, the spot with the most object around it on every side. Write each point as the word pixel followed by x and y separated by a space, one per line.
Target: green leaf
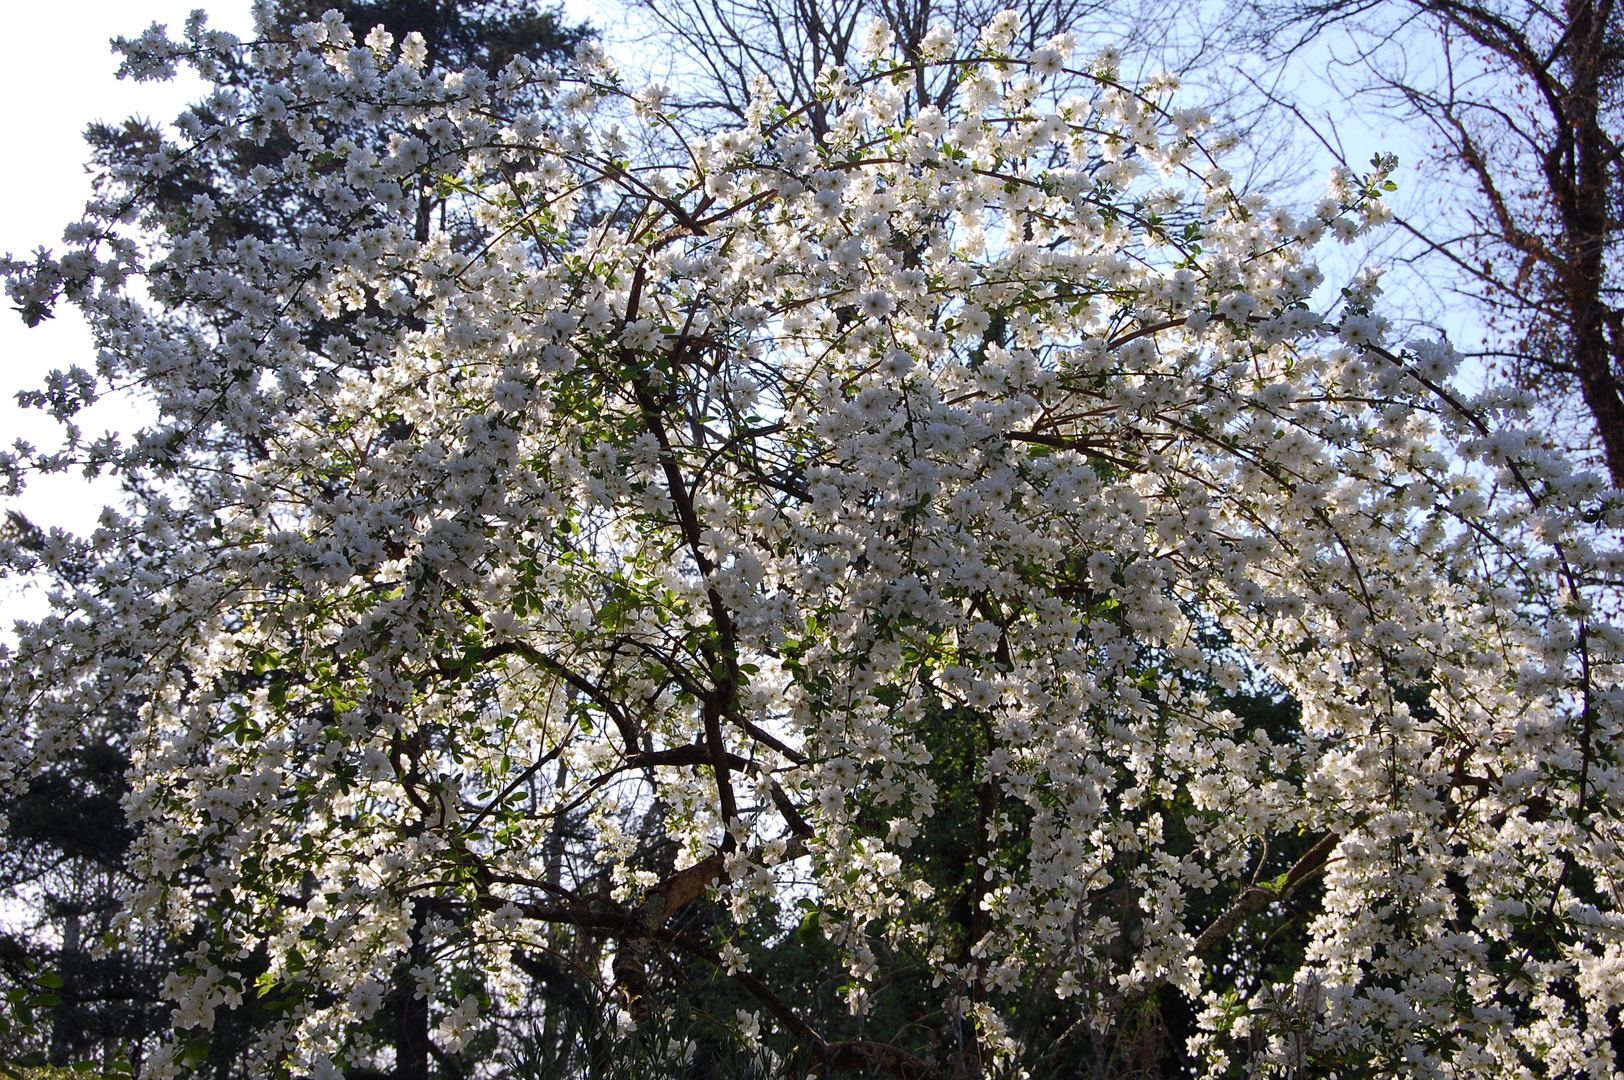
pixel 265 983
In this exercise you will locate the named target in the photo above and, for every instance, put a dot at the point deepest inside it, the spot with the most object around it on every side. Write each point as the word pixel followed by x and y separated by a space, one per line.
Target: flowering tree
pixel 648 559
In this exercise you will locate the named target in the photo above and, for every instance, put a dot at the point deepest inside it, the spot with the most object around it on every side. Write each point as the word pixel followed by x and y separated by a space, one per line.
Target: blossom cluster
pixel 551 522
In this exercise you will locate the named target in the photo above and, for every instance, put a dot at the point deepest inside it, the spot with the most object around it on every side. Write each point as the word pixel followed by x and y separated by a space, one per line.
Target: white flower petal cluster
pixel 519 509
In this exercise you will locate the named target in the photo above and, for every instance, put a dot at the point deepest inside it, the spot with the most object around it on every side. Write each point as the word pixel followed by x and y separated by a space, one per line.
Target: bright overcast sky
pixel 57 71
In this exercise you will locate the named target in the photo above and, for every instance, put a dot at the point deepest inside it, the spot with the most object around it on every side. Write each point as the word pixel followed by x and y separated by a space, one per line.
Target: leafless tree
pixel 718 49
pixel 1523 211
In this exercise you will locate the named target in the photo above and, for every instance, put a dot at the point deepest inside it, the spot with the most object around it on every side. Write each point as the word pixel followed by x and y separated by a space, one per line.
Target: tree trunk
pixel 1582 201
pixel 410 1015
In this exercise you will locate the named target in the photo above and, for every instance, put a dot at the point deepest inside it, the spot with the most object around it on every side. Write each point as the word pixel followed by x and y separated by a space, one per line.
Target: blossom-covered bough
pixel 560 539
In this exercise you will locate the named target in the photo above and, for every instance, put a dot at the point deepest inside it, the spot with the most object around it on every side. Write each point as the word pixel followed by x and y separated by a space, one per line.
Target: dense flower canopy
pixel 552 524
